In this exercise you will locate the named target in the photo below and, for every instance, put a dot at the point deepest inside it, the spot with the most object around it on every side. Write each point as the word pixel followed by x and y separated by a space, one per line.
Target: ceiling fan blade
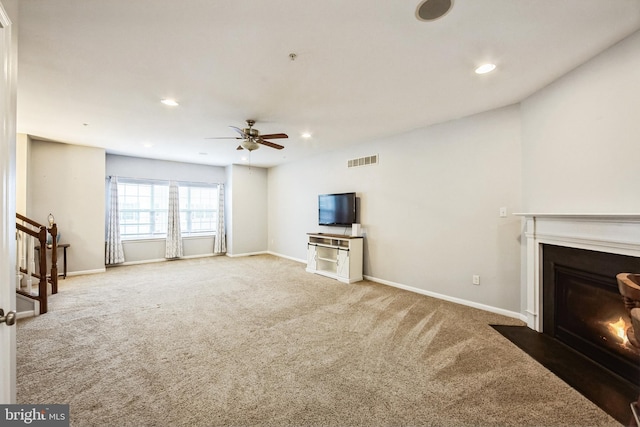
pixel 269 144
pixel 224 137
pixel 240 131
pixel 274 136
pixel 239 147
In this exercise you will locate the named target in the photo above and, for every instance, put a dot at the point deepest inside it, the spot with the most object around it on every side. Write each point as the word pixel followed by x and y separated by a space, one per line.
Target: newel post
pixel 42 285
pixel 53 230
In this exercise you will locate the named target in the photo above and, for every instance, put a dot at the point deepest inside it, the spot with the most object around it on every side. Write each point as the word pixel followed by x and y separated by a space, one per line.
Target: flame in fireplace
pixel 619 329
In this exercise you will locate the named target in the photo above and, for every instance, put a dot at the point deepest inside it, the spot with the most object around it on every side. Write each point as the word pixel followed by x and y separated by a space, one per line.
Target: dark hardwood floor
pixel 610 392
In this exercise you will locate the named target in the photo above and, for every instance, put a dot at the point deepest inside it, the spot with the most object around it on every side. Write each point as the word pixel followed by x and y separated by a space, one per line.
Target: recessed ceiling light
pixel 485 68
pixel 306 135
pixel 147 145
pixel 169 102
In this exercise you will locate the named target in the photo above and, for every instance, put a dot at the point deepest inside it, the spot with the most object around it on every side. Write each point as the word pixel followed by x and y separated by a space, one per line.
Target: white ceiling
pixel 92 72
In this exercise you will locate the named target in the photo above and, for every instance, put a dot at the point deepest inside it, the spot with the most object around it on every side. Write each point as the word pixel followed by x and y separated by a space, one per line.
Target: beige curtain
pixel 220 242
pixel 114 253
pixel 174 238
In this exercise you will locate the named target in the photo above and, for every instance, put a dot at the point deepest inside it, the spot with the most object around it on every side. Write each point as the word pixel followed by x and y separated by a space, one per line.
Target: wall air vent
pixel 363 161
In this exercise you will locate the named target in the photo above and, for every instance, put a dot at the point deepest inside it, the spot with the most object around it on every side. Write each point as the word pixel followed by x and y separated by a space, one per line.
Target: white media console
pixel 336 256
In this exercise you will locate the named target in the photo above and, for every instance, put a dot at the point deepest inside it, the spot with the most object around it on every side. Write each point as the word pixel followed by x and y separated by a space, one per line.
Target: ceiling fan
pixel 251 138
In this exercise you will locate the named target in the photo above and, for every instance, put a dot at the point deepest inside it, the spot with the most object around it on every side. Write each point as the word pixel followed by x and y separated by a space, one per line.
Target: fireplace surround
pixel 575 235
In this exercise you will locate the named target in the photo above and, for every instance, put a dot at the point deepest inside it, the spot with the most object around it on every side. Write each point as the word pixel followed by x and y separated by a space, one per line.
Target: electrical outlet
pixel 476 279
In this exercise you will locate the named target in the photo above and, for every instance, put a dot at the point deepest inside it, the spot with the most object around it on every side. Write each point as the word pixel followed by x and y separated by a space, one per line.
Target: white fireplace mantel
pixel 612 233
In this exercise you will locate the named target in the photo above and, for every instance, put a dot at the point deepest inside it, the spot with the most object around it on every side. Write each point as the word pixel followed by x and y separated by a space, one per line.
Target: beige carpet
pixel 258 341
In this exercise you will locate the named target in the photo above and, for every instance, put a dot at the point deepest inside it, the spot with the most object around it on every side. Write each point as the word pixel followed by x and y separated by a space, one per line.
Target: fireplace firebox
pixel 583 308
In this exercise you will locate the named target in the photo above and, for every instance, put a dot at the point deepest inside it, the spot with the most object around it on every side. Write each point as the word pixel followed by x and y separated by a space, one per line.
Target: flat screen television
pixel 337 209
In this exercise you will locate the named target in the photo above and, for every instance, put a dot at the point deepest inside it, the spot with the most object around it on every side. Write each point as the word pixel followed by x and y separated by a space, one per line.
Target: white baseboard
pixel 246 254
pixel 302 261
pixel 200 256
pixel 33 310
pixel 83 272
pixel 25 314
pixel 143 261
pixel 149 261
pixel 489 308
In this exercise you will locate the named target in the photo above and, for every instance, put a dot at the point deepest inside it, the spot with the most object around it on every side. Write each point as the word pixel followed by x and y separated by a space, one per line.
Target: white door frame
pixel 8 209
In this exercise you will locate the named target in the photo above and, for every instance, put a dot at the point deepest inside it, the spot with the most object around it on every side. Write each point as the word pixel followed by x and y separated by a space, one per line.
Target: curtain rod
pixel 164 180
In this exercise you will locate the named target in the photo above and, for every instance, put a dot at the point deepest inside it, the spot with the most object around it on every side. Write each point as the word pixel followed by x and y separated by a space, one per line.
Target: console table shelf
pixel 335 256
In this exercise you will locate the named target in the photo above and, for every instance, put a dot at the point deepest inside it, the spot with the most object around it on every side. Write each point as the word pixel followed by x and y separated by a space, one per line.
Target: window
pixel 198 209
pixel 144 208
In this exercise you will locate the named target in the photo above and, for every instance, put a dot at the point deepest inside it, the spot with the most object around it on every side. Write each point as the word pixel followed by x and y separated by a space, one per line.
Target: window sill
pixel 161 239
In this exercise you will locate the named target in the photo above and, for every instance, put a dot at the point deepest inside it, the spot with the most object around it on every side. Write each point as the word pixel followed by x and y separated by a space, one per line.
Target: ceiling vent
pixel 363 161
pixel 430 10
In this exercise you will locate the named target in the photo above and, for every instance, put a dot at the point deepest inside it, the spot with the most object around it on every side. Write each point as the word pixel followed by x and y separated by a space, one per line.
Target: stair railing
pixel 29 236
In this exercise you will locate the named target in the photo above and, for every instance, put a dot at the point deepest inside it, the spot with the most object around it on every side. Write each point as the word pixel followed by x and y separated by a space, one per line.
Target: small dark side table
pixel 64 247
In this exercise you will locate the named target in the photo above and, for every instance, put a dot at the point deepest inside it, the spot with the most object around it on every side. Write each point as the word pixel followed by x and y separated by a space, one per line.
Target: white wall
pixel 430 209
pixel 134 167
pixel 23 147
pixel 246 201
pixel 581 137
pixel 68 181
pixel 140 251
pixel 71 172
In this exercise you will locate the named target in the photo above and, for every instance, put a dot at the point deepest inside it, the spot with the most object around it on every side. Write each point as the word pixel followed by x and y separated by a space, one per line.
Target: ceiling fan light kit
pixel 248 144
pixel 251 138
